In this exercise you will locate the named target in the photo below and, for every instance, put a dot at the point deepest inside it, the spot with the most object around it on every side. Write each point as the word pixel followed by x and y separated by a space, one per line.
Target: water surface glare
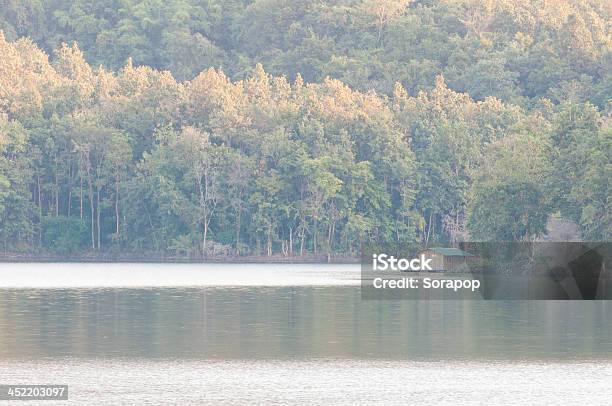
pixel 319 382
pixel 130 275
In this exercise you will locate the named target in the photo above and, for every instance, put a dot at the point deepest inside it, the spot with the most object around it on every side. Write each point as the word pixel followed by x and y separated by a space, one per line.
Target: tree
pixel 591 193
pixel 371 145
pixel 238 187
pixel 509 200
pixel 16 226
pixel 384 11
pixel 203 162
pixel 580 169
pixel 104 155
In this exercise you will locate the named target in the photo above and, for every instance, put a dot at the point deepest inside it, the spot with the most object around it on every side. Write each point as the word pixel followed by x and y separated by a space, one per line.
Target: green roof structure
pixel 450 252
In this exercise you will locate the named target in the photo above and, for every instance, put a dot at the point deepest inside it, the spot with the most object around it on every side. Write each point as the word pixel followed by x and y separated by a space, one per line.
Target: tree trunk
pixel 238 219
pixel 202 193
pixel 81 196
pixel 39 210
pixel 428 228
pixel 285 248
pixel 70 180
pixel 314 235
pixel 98 215
pixel 302 237
pixel 117 206
pixel 56 196
pixel 269 243
pixel 204 238
pixel 91 208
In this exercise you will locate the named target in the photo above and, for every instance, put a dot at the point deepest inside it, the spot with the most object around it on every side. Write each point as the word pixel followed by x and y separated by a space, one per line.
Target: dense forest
pixel 300 127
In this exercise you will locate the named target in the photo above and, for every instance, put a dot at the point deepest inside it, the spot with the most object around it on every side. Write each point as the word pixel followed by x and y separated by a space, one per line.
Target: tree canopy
pixel 300 127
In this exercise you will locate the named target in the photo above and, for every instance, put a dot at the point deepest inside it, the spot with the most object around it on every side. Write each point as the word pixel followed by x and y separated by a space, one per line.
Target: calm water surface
pixel 288 334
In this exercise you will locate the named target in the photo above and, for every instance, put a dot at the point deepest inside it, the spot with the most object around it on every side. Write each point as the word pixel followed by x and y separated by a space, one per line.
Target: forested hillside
pixel 300 127
pixel 515 50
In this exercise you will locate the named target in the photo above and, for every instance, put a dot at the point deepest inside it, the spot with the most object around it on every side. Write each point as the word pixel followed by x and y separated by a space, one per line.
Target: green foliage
pixel 16 223
pixel 513 50
pixel 64 235
pixel 575 138
pixel 509 199
pixel 159 130
pixel 507 212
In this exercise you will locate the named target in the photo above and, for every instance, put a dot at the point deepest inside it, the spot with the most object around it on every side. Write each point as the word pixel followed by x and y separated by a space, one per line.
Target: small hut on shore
pixel 447 259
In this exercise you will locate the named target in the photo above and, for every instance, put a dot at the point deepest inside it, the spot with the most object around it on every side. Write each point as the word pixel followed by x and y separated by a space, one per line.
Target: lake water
pixel 288 334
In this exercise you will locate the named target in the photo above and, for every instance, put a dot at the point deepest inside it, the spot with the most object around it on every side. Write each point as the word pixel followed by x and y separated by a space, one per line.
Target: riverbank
pixel 159 258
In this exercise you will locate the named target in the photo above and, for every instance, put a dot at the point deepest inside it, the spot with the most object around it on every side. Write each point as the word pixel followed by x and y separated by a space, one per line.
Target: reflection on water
pixel 293 323
pixel 151 334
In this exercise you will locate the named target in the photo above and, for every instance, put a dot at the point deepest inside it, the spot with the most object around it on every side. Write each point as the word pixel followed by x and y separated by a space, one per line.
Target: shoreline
pixel 163 259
